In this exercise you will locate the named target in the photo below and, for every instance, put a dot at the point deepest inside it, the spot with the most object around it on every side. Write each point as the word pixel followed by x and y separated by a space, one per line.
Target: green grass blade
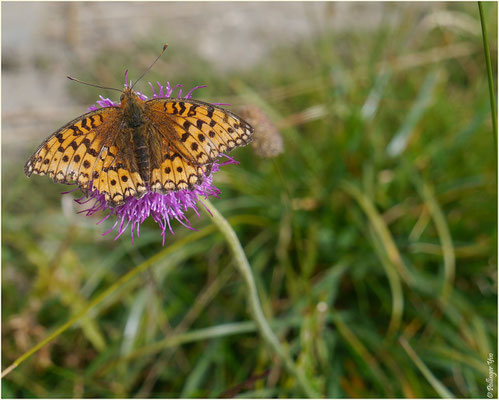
pixel 490 77
pixel 444 234
pixel 434 382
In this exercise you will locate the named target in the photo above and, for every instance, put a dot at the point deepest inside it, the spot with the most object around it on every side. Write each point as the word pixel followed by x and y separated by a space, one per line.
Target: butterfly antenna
pixel 147 70
pixel 91 84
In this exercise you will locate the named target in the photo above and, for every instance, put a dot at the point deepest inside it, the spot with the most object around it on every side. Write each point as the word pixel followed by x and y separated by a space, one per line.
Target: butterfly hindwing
pixel 172 172
pixel 199 131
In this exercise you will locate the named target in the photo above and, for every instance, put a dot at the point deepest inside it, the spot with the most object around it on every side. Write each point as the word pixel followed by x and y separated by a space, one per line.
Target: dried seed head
pixel 267 140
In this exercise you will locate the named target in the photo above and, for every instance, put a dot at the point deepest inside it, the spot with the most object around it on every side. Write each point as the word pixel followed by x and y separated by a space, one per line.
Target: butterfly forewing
pixel 199 131
pixel 57 157
pixel 84 152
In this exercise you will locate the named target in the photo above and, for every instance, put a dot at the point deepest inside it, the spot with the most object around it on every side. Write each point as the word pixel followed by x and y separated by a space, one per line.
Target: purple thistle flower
pixel 163 208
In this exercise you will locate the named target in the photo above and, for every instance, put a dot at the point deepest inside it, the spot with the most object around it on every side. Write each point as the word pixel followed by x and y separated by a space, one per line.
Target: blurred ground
pixel 41 41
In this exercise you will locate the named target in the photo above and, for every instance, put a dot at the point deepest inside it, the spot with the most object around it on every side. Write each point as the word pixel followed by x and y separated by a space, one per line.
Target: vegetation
pixel 372 237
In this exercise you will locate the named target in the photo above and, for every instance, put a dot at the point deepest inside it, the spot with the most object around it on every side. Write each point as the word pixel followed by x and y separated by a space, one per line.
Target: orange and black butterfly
pixel 158 145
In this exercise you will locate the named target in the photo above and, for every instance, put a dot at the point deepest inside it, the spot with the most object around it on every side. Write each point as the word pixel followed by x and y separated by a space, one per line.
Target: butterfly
pixel 159 145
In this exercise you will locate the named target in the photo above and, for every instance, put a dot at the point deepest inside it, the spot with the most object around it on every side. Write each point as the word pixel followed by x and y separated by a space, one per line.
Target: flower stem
pixel 254 301
pixel 489 75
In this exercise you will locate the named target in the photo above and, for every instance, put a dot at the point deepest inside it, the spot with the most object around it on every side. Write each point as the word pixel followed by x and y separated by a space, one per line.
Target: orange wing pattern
pixel 199 131
pixel 170 171
pixel 176 173
pixel 175 148
pixel 83 152
pixel 113 177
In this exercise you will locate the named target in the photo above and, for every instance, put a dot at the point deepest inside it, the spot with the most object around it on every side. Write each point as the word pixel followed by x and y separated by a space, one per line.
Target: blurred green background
pixel 372 237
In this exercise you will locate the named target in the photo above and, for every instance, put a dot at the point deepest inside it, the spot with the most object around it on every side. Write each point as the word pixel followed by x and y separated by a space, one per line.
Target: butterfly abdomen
pixel 142 152
pixel 133 112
